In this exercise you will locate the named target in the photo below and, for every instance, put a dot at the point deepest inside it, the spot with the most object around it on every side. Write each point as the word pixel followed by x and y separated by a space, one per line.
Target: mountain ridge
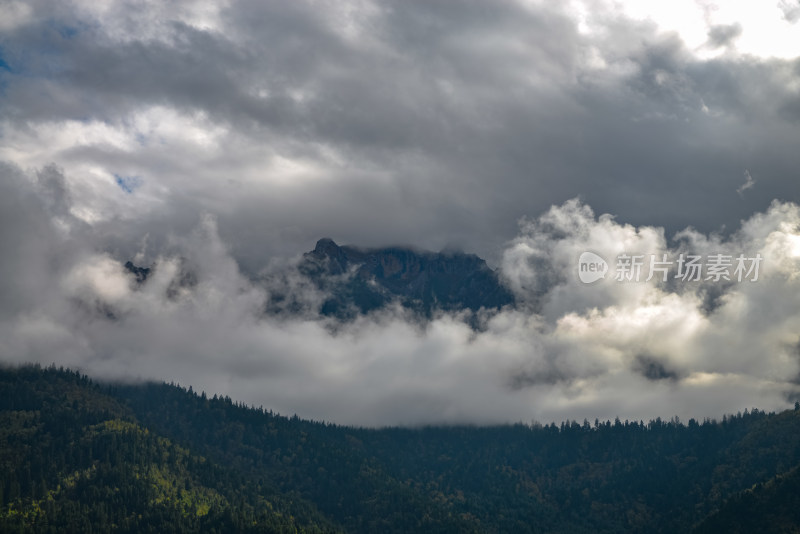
pixel 358 280
pixel 422 281
pixel 157 457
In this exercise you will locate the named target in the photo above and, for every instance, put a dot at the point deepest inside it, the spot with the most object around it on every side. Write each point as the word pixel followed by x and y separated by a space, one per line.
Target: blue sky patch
pixel 128 183
pixel 3 64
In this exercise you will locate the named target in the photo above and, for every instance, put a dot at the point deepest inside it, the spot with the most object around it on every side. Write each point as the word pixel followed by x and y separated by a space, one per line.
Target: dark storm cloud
pixel 653 369
pixel 465 115
pixel 197 319
pixel 26 240
pixel 53 190
pixel 225 139
pixel 723 35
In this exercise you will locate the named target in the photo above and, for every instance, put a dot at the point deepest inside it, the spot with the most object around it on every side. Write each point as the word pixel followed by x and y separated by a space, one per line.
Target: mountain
pixel 357 281
pixel 80 456
pixel 772 507
pixel 141 273
pixel 362 280
pixel 74 459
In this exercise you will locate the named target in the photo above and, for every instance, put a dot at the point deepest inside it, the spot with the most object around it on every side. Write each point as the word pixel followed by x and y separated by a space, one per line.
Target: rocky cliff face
pixel 362 280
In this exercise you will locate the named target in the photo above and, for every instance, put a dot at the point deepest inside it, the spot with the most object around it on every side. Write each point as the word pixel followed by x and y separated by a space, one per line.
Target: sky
pixel 224 138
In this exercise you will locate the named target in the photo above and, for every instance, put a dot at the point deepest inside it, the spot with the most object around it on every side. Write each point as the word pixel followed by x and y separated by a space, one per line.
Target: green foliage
pixel 74 459
pixel 773 507
pixel 77 456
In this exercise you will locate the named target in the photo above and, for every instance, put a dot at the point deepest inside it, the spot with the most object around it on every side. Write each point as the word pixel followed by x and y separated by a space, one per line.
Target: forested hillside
pixel 770 508
pixel 79 456
pixel 74 459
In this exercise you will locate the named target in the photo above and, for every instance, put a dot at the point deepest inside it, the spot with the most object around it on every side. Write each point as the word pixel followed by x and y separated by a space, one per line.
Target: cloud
pixel 666 330
pixel 748 183
pixel 572 350
pixel 290 122
pixel 245 131
pixel 790 9
pixel 128 183
pixel 723 35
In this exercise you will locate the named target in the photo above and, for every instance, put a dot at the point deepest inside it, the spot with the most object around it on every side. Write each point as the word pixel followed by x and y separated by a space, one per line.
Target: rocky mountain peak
pixel 326 246
pixel 420 280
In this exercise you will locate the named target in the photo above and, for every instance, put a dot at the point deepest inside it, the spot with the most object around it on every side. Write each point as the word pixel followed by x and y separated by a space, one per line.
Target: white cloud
pixel 432 124
pixel 749 182
pixel 586 351
pixel 767 27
